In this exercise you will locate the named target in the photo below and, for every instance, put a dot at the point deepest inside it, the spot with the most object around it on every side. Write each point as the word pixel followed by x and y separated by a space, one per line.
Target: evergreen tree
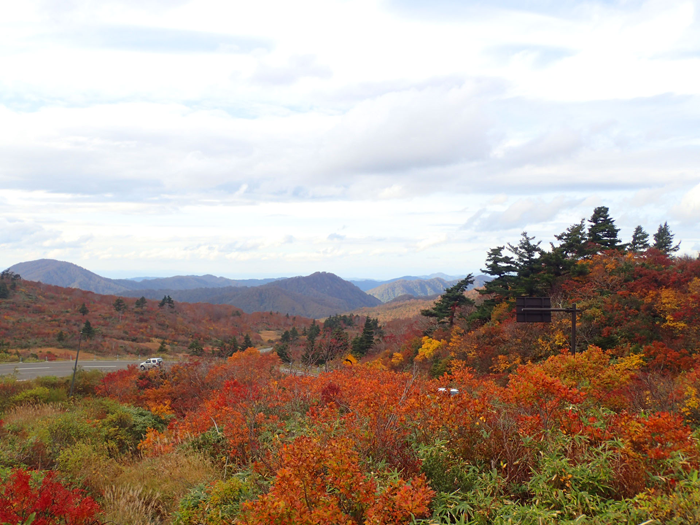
pixel 195 348
pixel 529 267
pixel 247 342
pixel 572 242
pixel 663 240
pixel 83 310
pixel 166 300
pixel 286 337
pixel 4 291
pixel 87 330
pixel 120 307
pixel 282 351
pixel 451 299
pixel 294 333
pixel 640 240
pixel 313 331
pixel 163 348
pixel 502 268
pixel 364 342
pixel 140 303
pixel 602 231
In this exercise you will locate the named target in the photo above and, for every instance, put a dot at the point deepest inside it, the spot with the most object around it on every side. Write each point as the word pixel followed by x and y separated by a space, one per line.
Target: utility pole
pixel 75 367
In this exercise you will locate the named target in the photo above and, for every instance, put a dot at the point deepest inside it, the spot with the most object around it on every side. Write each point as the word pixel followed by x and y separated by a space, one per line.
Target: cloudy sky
pixel 369 138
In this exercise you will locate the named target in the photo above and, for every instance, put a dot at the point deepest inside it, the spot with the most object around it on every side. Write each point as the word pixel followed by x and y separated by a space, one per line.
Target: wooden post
pixel 573 330
pixel 75 368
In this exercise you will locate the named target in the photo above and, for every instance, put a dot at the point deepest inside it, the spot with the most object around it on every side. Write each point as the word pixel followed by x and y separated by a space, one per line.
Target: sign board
pixel 540 309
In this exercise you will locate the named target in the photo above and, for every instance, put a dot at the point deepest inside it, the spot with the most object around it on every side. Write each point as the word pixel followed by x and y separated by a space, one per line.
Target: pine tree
pixel 640 240
pixel 602 231
pixel 119 307
pixel 196 348
pixel 451 299
pixel 282 351
pixel 529 266
pixel 363 343
pixel 572 242
pixel 247 342
pixel 83 310
pixel 502 268
pixel 87 331
pixel 663 240
pixel 140 303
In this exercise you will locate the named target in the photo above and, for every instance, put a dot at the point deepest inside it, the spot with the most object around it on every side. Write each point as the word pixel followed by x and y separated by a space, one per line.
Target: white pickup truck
pixel 151 363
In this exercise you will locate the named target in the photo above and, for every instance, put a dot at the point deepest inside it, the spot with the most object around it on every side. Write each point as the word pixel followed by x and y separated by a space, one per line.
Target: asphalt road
pixel 65 368
pixel 61 368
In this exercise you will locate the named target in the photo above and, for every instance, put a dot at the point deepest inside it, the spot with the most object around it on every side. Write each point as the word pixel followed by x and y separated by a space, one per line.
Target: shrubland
pixel 533 434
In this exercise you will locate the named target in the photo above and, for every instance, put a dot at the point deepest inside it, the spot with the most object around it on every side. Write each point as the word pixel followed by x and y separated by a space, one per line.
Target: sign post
pixel 539 310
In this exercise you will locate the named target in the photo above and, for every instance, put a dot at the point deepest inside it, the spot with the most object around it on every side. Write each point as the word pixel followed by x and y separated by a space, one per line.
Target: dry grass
pixel 396 310
pixel 129 506
pixel 26 414
pixel 61 353
pixel 269 335
pixel 152 487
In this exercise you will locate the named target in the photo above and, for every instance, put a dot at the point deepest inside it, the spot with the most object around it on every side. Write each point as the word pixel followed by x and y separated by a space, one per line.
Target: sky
pixel 368 138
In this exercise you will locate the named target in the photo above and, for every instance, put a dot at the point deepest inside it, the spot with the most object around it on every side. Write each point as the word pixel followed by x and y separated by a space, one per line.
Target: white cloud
pixel 688 209
pixel 214 132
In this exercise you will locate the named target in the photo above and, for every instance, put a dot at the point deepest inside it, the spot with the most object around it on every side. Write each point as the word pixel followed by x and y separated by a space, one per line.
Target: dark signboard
pixel 533 309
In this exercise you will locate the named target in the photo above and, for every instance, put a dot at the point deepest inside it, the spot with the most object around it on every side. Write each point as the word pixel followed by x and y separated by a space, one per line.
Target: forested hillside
pixel 37 316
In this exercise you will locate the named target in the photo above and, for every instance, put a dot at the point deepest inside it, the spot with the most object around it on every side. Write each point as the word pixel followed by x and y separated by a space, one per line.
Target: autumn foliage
pixel 488 421
pixel 26 499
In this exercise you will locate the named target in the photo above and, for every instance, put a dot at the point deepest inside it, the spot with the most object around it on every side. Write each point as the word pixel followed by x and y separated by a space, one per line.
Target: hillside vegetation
pixel 533 434
pixel 36 316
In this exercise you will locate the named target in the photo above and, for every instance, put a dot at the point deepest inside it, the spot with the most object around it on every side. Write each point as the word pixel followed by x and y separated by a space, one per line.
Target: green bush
pixel 37 395
pixel 215 504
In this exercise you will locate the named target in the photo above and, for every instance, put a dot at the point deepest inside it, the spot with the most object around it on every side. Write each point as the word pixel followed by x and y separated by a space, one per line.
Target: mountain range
pixel 317 295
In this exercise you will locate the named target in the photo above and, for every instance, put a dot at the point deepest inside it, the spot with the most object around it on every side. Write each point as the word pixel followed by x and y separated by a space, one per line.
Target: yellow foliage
pixel 161 408
pixel 631 363
pixel 505 363
pixel 461 343
pixel 694 286
pixel 501 312
pixel 553 343
pixel 692 402
pixel 668 304
pixel 397 359
pixel 429 347
pixel 350 360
